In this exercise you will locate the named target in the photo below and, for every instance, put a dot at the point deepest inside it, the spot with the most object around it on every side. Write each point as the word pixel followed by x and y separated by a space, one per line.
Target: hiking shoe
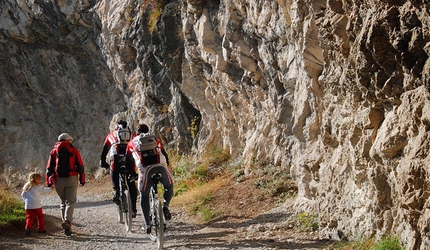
pixel 42 231
pixel 167 214
pixel 115 198
pixel 146 228
pixel 27 231
pixel 67 228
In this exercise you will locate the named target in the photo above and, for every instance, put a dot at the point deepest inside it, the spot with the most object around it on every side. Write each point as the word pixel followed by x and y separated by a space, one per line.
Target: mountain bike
pixel 156 213
pixel 125 212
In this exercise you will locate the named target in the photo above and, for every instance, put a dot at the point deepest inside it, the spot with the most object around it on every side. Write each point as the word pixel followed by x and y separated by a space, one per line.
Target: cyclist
pixel 148 169
pixel 115 144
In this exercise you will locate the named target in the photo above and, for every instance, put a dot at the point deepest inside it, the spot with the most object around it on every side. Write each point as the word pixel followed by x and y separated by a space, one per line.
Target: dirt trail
pixel 95 226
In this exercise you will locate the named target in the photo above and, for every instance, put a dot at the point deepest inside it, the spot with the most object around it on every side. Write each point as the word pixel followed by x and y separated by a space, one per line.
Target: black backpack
pixel 120 157
pixel 63 168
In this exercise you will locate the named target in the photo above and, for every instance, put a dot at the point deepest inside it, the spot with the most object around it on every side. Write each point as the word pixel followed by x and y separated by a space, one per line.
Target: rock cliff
pixel 335 92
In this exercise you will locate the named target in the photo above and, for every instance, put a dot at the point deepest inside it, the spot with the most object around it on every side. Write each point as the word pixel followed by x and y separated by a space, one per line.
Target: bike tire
pixel 128 213
pixel 120 214
pixel 153 214
pixel 160 226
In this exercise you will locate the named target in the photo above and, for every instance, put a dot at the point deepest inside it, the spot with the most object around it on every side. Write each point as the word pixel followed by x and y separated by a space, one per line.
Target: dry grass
pixel 192 196
pixel 153 18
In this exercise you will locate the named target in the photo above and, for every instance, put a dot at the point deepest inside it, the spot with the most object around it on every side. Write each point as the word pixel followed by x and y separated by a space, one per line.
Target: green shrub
pixel 389 243
pixel 204 209
pixel 307 222
pixel 183 187
pixel 12 210
pixel 194 127
pixel 201 172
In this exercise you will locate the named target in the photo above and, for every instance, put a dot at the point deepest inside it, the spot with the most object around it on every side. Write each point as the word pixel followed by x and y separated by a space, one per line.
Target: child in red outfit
pixel 33 205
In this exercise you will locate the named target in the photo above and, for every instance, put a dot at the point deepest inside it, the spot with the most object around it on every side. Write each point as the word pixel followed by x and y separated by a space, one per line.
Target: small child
pixel 33 205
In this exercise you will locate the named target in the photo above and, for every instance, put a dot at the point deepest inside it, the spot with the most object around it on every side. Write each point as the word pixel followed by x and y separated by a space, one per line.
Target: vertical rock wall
pixel 54 79
pixel 334 91
pixel 370 176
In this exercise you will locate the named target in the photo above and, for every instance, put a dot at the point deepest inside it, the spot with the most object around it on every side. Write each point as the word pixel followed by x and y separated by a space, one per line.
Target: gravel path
pixel 95 226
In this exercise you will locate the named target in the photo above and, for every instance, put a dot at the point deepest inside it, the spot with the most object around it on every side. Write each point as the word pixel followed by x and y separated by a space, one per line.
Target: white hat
pixel 65 137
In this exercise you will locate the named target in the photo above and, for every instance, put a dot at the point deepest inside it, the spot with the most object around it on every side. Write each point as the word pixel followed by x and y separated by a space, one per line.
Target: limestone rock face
pixel 335 92
pixel 54 79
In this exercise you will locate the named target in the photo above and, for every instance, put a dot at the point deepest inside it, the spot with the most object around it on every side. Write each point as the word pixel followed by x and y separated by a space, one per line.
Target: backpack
pixel 120 156
pixel 147 146
pixel 63 167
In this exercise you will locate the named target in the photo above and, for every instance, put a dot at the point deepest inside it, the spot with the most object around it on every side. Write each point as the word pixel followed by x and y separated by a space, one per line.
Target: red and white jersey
pixel 133 150
pixel 140 158
pixel 117 141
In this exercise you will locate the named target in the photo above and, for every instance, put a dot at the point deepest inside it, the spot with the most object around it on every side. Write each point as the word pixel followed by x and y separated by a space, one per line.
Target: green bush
pixel 389 243
pixel 307 222
pixel 204 209
pixel 12 210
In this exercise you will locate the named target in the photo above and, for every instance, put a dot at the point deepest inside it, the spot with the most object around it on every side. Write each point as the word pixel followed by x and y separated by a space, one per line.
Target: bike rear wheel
pixel 128 212
pixel 153 216
pixel 160 226
pixel 120 214
pixel 157 227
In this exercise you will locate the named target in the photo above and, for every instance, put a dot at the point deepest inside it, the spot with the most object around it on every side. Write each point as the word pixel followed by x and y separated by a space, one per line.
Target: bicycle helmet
pixel 124 133
pixel 65 137
pixel 143 128
pixel 122 124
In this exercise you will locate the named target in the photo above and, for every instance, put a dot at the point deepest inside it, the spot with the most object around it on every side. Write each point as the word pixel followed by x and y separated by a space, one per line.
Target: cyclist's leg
pixel 167 182
pixel 144 198
pixel 133 194
pixel 114 176
pixel 168 191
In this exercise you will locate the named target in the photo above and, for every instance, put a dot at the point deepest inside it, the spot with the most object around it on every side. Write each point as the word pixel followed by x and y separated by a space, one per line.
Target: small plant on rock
pixel 307 222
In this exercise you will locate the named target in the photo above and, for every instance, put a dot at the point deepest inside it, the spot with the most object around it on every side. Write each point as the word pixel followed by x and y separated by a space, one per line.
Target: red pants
pixel 30 214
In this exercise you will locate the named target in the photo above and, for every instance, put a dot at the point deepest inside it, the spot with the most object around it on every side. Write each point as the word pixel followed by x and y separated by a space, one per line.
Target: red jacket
pixel 76 163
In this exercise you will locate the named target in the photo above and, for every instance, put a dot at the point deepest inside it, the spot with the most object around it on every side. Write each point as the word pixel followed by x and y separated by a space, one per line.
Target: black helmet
pixel 122 124
pixel 143 129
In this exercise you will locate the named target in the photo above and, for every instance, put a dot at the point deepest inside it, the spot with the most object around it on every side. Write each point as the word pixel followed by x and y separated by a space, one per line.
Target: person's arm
pixel 165 155
pixel 130 164
pixel 45 190
pixel 50 168
pixel 103 162
pixel 160 146
pixel 80 166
